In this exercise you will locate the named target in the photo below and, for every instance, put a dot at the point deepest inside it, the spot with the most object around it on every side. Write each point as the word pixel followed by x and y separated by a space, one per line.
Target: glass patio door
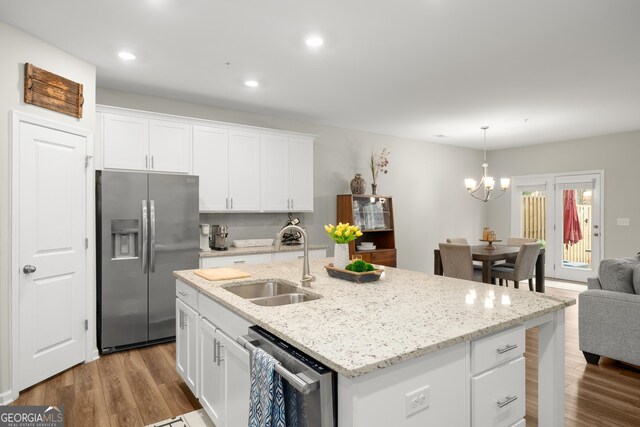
pixel 565 211
pixel 578 226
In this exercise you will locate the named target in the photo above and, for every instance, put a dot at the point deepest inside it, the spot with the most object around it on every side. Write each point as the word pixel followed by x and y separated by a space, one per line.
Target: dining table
pixel 489 257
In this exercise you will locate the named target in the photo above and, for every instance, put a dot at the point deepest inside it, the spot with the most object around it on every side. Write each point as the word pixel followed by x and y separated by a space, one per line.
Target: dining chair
pixel 458 240
pixel 523 268
pixel 464 241
pixel 516 241
pixel 457 261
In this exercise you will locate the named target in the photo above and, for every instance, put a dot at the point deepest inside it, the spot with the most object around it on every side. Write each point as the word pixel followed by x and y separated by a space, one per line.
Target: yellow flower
pixel 346 233
pixel 326 227
pixel 338 232
pixel 358 233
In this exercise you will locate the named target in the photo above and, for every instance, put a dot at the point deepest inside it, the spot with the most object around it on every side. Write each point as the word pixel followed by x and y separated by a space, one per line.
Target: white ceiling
pixel 408 68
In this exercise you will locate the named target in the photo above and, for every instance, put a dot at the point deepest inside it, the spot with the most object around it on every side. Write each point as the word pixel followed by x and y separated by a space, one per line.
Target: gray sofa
pixel 609 312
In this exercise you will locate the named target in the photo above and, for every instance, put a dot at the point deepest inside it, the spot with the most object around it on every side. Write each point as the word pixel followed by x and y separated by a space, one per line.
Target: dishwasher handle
pixel 296 382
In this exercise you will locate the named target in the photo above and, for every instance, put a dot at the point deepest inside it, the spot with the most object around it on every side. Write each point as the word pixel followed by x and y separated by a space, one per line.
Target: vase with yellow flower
pixel 342 234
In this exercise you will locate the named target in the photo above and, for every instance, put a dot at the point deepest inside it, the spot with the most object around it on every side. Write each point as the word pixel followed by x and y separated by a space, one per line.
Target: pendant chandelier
pixel 485 189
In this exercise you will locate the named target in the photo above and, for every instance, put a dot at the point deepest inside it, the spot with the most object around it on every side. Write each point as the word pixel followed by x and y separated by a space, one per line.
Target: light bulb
pixel 504 183
pixel 489 182
pixel 470 183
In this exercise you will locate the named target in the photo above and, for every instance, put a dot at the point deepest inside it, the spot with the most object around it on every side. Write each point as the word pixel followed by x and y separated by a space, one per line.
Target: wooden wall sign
pixel 51 91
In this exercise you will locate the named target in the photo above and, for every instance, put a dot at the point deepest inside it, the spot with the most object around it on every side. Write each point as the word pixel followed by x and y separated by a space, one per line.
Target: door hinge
pixel 86 243
pixel 87 159
pixel 86 324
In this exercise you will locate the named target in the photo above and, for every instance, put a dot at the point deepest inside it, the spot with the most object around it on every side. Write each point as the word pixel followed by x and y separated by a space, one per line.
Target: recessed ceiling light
pixel 127 56
pixel 251 83
pixel 314 41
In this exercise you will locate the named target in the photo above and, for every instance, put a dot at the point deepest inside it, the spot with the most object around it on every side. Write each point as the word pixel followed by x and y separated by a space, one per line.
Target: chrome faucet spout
pixel 307 277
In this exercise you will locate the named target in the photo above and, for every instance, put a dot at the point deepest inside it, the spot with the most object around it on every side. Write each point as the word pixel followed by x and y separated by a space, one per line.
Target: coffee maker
pixel 218 237
pixel 205 230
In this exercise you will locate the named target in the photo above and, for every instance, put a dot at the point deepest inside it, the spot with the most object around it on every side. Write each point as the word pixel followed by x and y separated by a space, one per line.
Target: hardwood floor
pixel 131 388
pixel 604 395
pixel 141 386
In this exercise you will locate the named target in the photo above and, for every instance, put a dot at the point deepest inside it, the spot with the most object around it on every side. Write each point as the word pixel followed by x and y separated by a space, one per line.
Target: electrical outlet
pixel 418 400
pixel 623 221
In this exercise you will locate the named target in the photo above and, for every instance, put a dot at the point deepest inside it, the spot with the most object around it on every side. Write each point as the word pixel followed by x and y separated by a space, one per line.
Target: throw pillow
pixel 636 279
pixel 617 274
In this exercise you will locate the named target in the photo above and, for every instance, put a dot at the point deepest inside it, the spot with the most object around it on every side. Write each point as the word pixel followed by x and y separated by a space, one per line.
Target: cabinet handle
pixel 215 350
pixel 239 262
pixel 152 167
pixel 507 349
pixel 232 203
pixel 219 347
pixel 505 402
pixel 291 204
pixel 146 161
pixel 300 256
pixel 181 319
pixel 288 203
pixel 184 294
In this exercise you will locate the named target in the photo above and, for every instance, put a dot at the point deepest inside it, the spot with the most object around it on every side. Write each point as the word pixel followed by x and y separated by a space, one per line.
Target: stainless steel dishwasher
pixel 313 385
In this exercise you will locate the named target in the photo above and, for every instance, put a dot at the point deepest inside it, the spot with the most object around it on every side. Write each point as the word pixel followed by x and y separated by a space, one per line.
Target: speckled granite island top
pixel 257 250
pixel 359 328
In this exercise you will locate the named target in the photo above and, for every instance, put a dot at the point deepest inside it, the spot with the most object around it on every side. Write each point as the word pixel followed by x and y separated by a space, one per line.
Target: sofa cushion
pixel 636 279
pixel 617 274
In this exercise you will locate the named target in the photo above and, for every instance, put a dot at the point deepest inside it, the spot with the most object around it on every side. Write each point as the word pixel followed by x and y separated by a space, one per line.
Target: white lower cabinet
pixel 266 258
pixel 187 320
pixel 211 374
pixel 236 383
pixel 213 365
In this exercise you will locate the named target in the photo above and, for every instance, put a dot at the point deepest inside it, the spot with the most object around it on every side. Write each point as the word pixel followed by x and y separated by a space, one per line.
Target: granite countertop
pixel 257 250
pixel 358 328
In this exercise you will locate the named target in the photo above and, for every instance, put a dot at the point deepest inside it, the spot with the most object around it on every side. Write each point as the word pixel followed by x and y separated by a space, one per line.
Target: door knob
pixel 28 269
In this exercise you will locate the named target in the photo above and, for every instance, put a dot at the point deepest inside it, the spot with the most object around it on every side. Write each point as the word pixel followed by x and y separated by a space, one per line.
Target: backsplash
pixel 250 226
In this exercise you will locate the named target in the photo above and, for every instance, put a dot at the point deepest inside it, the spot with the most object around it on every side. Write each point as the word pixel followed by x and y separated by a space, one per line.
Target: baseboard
pixel 6 397
pixel 95 355
pixel 568 286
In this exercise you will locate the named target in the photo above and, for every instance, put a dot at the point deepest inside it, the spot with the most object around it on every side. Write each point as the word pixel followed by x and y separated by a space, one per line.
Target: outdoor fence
pixel 534 225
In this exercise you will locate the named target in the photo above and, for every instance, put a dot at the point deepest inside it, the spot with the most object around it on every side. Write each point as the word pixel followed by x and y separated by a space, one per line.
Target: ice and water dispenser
pixel 124 238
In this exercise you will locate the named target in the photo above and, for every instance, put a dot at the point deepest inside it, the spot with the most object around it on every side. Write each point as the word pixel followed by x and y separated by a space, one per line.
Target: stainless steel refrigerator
pixel 147 227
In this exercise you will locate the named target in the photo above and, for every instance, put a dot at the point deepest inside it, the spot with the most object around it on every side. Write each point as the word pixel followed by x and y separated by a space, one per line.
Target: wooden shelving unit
pixel 374 215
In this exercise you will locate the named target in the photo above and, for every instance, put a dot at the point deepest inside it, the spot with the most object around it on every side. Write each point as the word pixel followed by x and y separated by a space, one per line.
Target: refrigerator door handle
pixel 152 217
pixel 143 239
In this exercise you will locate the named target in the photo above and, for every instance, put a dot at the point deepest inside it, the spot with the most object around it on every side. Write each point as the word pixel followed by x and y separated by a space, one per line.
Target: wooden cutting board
pixel 213 274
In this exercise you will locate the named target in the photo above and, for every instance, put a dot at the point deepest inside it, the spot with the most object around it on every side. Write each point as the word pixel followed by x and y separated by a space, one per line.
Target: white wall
pixel 16 48
pixel 425 179
pixel 618 155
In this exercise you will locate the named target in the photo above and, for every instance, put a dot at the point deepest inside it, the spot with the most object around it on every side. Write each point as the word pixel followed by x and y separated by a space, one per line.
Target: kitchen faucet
pixel 307 277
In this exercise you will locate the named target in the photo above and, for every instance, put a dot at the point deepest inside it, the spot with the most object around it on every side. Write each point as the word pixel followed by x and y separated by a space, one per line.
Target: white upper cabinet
pixel 274 173
pixel 241 168
pixel 125 142
pixel 301 174
pixel 211 164
pixel 286 173
pixel 137 143
pixel 244 171
pixel 169 146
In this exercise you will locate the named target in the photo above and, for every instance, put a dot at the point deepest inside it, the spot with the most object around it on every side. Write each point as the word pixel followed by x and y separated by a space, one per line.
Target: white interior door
pixel 578 226
pixel 52 209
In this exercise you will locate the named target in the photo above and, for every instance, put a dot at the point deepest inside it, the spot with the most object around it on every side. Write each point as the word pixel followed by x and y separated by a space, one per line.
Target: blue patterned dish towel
pixel 266 402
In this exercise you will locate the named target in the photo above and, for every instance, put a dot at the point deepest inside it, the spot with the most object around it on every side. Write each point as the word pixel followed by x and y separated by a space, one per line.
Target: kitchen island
pixel 410 349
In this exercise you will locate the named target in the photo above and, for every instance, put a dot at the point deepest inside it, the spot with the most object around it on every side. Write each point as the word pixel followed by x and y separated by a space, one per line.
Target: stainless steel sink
pixel 283 300
pixel 270 293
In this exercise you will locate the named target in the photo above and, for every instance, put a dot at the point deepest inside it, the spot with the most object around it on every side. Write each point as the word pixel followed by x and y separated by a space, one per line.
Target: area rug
pixel 197 418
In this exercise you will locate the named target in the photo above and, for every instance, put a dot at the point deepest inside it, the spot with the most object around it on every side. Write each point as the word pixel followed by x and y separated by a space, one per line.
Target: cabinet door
pixel 211 385
pixel 301 174
pixel 187 345
pixel 211 164
pixel 244 171
pixel 169 146
pixel 125 142
pixel 274 172
pixel 237 383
